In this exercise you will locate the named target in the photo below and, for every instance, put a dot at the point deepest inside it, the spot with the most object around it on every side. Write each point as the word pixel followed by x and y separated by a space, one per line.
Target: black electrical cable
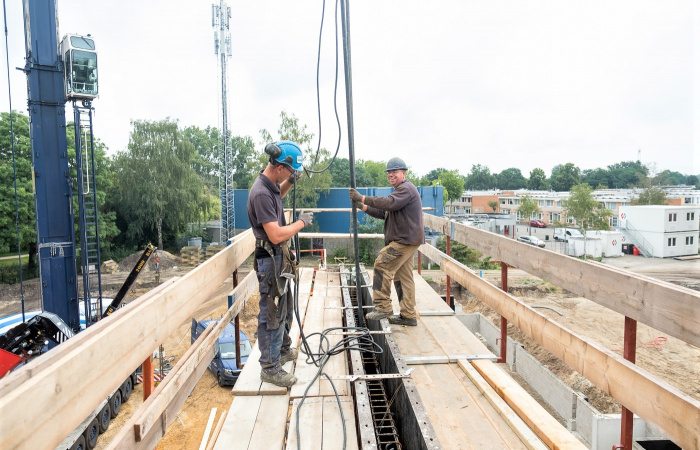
pixel 14 166
pixel 318 95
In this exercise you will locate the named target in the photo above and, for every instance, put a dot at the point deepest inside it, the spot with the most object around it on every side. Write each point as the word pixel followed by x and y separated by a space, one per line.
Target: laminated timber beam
pixel 150 421
pixel 663 306
pixel 649 397
pixel 50 394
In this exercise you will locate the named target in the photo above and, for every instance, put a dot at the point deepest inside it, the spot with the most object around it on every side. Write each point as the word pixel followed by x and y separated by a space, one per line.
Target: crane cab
pixel 80 66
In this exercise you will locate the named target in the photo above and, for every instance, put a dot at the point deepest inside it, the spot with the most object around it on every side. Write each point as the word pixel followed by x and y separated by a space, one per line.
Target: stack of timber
pixel 191 256
pixel 109 266
pixel 213 249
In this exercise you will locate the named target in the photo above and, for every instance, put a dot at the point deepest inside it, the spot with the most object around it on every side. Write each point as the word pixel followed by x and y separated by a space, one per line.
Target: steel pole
pixel 345 22
pixel 237 324
pixel 447 289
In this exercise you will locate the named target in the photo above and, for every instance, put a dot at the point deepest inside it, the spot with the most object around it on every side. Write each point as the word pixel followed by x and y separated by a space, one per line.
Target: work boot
pixel 401 320
pixel 289 356
pixel 279 377
pixel 378 315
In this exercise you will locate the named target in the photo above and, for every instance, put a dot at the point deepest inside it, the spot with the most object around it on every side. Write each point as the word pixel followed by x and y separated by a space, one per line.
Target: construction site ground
pixel 670 359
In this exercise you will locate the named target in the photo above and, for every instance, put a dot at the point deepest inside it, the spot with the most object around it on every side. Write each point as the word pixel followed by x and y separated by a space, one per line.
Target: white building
pixel 662 231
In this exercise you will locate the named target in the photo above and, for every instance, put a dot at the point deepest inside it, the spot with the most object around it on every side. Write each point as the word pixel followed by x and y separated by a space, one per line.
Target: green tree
pixel 588 212
pixel 208 162
pixel 157 187
pixel 669 178
pixel 480 178
pixel 466 255
pixel 308 190
pixel 625 174
pixel 528 207
pixel 596 178
pixel 511 179
pixel 564 177
pixel 244 162
pixel 25 190
pixel 493 204
pixel 376 170
pixel 431 177
pixel 692 180
pixel 453 185
pixel 651 195
pixel 538 180
pixel 340 171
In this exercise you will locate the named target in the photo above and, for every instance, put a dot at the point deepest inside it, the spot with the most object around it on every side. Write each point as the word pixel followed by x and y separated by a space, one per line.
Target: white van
pixel 563 234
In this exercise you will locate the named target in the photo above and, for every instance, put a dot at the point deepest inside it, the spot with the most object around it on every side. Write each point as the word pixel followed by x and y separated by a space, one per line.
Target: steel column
pixel 237 324
pixel 504 321
pixel 629 352
pixel 147 371
pixel 447 279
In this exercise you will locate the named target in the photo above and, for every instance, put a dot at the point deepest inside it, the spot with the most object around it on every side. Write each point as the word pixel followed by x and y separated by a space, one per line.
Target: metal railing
pixel 642 244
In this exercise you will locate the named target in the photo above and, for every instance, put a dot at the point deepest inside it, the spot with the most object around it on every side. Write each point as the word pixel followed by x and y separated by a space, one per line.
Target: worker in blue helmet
pixel 274 263
pixel 402 212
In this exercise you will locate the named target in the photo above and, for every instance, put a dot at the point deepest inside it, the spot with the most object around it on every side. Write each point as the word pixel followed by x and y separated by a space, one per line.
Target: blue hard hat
pixel 290 155
pixel 396 164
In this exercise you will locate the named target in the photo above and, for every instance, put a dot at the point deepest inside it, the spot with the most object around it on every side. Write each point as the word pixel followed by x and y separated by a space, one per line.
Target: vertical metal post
pixel 236 323
pixel 504 321
pixel 447 289
pixel 629 352
pixel 419 263
pixel 53 195
pixel 147 370
pixel 345 22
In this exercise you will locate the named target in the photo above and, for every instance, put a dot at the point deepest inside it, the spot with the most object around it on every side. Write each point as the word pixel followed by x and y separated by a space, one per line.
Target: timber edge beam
pixel 673 411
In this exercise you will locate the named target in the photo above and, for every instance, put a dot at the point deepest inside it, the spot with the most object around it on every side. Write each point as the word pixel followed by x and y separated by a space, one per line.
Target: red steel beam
pixel 447 297
pixel 629 352
pixel 504 321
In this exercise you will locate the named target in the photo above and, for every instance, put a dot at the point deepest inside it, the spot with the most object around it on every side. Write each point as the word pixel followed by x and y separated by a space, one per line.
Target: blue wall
pixel 339 222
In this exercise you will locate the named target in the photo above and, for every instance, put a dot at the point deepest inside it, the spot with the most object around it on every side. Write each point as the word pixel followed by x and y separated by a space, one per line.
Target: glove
pixel 307 218
pixel 355 196
pixel 359 206
pixel 293 178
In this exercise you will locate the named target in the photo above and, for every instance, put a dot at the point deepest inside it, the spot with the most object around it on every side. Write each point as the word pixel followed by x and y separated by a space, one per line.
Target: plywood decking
pixel 320 424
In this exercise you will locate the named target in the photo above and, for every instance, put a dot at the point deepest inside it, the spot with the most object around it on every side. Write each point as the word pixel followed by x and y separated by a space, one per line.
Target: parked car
pixel 532 240
pixel 537 223
pixel 563 234
pixel 223 366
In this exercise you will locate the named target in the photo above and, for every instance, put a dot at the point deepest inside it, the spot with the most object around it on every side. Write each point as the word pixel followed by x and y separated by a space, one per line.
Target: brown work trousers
pixel 395 263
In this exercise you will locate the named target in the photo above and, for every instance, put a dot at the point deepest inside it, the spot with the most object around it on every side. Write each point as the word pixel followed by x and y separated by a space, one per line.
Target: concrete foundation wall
pixel 598 431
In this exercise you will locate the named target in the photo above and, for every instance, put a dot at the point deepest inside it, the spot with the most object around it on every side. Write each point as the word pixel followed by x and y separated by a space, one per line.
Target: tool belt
pixel 283 274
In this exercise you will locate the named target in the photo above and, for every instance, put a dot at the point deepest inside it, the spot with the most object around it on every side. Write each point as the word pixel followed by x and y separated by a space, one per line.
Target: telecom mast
pixel 220 18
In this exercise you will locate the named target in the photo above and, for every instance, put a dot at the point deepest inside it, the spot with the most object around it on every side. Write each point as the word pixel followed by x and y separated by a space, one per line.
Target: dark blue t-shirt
pixel 264 205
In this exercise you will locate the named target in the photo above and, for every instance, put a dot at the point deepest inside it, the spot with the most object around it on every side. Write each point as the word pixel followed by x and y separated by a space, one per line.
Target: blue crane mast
pixel 53 75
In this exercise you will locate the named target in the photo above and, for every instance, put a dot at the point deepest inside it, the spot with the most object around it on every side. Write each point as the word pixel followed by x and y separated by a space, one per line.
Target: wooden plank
pixel 49 399
pixel 313 323
pixel 249 382
pixel 240 423
pixel 207 430
pixel 333 425
pixel 310 420
pixel 306 275
pixel 416 341
pixel 526 435
pixel 552 433
pixel 666 307
pixel 454 337
pixel 217 430
pixel 271 423
pixel 340 236
pixel 332 318
pixel 202 353
pixel 662 404
pixel 455 415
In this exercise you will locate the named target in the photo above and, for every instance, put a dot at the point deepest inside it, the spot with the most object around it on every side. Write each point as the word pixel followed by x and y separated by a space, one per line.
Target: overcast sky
pixel 440 84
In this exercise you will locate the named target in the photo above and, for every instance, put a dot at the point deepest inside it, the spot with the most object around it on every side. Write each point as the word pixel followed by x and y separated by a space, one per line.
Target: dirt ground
pixel 666 357
pixel 669 358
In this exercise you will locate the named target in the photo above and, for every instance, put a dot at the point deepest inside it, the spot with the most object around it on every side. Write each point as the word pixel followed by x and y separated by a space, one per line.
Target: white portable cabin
pixel 612 241
pixel 663 230
pixel 590 246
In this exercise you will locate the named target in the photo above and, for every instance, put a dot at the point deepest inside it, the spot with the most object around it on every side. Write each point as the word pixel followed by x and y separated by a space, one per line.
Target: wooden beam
pixel 649 397
pixel 138 431
pixel 664 306
pixel 52 396
pixel 315 210
pixel 551 432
